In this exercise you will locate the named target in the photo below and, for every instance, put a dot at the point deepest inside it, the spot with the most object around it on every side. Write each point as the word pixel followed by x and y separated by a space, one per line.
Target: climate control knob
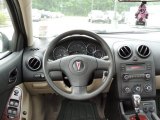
pixel 148 88
pixel 137 89
pixel 127 90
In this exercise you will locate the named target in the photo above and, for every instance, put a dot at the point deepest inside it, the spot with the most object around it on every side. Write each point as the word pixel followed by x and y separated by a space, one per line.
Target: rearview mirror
pixel 4 43
pixel 139 0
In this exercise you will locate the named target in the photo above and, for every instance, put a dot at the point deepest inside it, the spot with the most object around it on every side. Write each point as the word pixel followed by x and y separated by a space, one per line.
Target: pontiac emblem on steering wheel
pixel 78 65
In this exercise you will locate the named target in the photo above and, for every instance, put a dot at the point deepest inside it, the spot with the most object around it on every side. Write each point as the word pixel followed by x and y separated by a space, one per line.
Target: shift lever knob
pixel 136 99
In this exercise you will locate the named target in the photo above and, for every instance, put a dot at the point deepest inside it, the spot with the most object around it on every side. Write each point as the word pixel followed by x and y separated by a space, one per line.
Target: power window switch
pixel 9 111
pixel 16 104
pixel 11 103
pixel 14 112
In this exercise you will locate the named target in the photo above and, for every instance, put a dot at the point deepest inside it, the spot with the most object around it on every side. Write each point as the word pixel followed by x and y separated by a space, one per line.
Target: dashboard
pixel 135 56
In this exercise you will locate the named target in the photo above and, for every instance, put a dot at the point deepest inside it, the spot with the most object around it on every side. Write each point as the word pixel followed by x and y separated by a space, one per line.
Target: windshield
pixel 53 17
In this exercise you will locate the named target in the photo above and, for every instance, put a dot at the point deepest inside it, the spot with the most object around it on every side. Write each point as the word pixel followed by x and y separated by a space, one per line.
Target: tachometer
pixel 60 52
pixel 77 48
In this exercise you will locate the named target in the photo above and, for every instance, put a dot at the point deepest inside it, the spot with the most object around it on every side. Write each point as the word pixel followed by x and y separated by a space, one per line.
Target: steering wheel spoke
pixel 79 90
pixel 103 64
pixel 54 65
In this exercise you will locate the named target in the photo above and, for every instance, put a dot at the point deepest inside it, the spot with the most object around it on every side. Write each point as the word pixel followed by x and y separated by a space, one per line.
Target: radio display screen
pixel 131 67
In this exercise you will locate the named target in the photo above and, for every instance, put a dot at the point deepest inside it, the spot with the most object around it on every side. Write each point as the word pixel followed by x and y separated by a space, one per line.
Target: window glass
pixel 101 16
pixel 6 27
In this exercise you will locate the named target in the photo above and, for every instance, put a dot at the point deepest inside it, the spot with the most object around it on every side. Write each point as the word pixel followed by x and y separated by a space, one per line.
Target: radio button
pixel 148 76
pixel 148 68
pixel 151 109
pixel 145 109
pixel 122 66
pixel 135 59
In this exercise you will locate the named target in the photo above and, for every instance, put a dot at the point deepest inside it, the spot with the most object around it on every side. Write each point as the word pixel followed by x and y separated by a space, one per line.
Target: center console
pixel 135 72
pixel 147 108
pixel 136 77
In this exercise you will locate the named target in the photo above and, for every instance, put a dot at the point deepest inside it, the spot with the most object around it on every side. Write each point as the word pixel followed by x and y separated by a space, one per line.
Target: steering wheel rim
pixel 79 87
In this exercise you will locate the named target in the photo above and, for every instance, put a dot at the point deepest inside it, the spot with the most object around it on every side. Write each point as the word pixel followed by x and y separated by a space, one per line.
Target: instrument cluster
pixel 78 47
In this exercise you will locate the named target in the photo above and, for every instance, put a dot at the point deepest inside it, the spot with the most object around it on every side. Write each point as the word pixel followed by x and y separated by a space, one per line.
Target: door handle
pixel 13 76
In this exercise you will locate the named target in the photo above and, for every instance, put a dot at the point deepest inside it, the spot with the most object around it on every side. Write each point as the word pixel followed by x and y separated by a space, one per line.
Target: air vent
pixel 34 63
pixel 143 51
pixel 125 52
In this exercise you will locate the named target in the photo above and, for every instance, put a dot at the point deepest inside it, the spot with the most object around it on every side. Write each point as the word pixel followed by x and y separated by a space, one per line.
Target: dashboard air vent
pixel 125 52
pixel 34 63
pixel 143 51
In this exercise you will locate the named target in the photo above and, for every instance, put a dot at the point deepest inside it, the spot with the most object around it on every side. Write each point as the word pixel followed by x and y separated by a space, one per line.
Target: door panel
pixel 3 101
pixel 10 76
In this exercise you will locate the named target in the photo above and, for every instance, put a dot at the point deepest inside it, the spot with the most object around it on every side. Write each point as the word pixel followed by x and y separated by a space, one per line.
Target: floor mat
pixel 78 110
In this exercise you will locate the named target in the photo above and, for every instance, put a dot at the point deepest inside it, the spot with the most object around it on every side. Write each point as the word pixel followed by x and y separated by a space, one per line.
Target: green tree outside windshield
pixel 82 7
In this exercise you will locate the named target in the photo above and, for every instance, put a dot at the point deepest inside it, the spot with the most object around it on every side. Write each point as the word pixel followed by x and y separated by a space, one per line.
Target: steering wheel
pixel 78 68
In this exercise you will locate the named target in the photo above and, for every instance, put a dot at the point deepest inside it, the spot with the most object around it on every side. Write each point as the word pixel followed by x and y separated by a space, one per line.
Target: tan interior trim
pixel 42 87
pixel 26 7
pixel 158 82
pixel 38 107
pixel 26 104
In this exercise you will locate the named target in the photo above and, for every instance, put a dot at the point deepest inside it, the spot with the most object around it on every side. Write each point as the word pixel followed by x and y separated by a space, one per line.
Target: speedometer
pixel 60 52
pixel 91 48
pixel 77 48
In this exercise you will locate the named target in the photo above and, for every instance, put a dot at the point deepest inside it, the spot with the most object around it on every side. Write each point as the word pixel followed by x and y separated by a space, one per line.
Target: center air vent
pixel 143 51
pixel 34 63
pixel 125 52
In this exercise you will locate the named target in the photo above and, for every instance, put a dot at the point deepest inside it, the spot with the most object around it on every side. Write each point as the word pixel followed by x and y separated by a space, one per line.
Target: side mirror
pixel 4 43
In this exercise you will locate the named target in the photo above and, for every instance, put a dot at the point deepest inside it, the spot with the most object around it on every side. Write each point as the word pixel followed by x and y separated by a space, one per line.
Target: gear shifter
pixel 136 99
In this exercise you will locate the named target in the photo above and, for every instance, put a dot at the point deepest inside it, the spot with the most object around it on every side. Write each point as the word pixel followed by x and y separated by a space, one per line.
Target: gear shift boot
pixel 141 117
